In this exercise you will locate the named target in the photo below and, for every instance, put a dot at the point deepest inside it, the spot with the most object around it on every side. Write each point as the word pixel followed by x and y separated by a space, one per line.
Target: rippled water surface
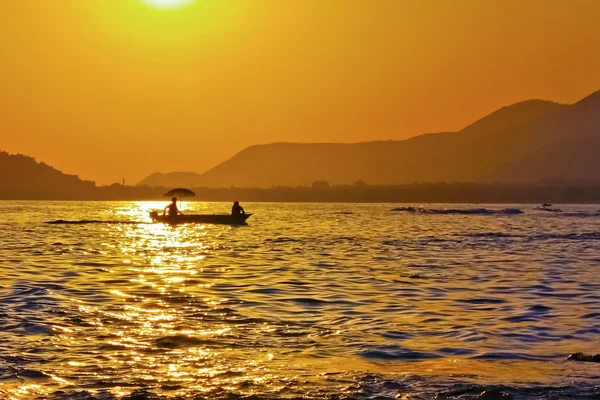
pixel 306 301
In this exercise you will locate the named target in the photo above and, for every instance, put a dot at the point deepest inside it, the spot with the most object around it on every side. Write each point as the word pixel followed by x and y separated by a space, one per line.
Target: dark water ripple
pixel 319 301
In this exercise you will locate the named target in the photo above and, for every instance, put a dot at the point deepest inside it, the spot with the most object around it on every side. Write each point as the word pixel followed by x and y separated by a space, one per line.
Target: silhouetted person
pixel 172 209
pixel 237 210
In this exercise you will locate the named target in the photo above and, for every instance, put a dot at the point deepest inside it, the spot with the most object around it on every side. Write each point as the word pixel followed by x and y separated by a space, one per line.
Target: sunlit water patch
pixel 307 300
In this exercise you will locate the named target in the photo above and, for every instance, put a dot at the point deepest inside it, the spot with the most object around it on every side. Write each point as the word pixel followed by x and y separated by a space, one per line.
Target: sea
pixel 306 301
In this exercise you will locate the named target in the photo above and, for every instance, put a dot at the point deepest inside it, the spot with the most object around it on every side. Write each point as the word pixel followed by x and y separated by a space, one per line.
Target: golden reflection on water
pixel 183 249
pixel 193 309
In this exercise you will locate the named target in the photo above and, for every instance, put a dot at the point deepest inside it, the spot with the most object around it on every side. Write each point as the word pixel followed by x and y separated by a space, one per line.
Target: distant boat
pixel 548 207
pixel 224 219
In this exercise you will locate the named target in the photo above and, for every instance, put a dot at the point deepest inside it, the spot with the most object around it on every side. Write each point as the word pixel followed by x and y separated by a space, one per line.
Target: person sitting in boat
pixel 237 210
pixel 172 209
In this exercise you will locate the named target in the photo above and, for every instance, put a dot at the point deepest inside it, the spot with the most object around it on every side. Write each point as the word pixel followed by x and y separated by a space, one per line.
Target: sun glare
pixel 168 4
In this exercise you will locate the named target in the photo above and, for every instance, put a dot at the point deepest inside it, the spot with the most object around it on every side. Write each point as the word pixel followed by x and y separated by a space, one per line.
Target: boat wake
pixel 581 214
pixel 94 221
pixel 464 211
pixel 582 236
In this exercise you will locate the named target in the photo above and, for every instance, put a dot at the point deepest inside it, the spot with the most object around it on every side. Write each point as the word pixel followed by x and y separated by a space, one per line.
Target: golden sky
pixel 112 88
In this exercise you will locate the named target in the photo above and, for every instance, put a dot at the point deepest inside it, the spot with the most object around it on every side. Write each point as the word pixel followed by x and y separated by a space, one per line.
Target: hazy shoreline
pixel 469 193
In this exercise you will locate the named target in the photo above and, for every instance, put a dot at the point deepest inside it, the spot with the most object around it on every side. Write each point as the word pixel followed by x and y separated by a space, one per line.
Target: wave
pixel 581 214
pixel 545 236
pixel 572 236
pixel 466 391
pixel 18 373
pixel 492 235
pixel 461 211
pixel 513 356
pixel 182 341
pixel 93 221
pixel 491 211
pixel 561 212
pixel 366 387
pixel 282 239
pixel 396 353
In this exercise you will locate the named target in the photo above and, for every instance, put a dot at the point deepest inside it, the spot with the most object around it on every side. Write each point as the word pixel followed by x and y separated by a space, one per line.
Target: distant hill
pixel 561 146
pixel 22 177
pixel 531 141
pixel 172 179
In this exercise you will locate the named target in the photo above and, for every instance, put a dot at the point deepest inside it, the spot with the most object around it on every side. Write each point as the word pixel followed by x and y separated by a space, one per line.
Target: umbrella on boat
pixel 179 192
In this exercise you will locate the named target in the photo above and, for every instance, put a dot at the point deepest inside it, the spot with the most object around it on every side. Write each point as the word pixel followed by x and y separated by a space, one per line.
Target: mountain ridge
pixel 483 151
pixel 23 177
pixel 177 178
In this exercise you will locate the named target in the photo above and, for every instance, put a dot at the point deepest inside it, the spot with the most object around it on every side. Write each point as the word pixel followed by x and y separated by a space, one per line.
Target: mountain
pixel 510 116
pixel 562 146
pixel 172 179
pixel 531 141
pixel 24 178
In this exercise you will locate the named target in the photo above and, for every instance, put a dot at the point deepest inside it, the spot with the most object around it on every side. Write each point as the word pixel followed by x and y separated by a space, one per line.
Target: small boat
pixel 548 207
pixel 225 219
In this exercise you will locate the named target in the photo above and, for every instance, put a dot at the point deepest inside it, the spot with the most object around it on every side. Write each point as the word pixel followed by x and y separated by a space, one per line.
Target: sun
pixel 168 4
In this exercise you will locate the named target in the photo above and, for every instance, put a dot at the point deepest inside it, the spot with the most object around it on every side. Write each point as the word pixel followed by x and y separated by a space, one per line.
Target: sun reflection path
pixel 174 328
pixel 162 322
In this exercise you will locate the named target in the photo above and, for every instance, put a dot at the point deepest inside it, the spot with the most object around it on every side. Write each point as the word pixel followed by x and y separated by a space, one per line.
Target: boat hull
pixel 223 219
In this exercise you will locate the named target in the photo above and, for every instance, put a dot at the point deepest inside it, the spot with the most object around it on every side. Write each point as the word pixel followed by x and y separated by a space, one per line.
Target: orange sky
pixel 106 88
